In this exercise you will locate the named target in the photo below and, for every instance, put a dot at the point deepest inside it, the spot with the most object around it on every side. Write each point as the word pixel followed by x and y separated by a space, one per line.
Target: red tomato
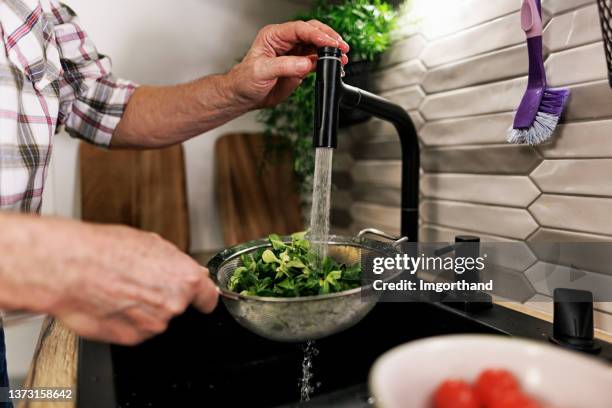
pixel 515 400
pixel 455 394
pixel 492 385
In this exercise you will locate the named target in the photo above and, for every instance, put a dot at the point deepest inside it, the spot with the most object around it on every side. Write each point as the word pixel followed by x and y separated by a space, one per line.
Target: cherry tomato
pixel 514 400
pixel 455 394
pixel 492 385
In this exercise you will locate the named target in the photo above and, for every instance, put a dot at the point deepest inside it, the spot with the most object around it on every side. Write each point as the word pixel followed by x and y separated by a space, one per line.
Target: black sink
pixel 211 361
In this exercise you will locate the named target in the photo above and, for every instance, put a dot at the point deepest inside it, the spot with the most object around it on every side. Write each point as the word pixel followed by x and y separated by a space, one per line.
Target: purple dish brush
pixel 541 107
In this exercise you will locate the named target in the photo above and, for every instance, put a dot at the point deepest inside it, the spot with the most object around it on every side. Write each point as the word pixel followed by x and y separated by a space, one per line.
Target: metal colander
pixel 308 317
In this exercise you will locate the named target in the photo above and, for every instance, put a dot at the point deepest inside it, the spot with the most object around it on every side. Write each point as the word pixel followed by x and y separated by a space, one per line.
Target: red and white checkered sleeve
pixel 92 100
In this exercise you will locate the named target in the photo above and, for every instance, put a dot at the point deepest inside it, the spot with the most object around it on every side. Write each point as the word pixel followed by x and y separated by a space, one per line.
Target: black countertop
pixel 210 361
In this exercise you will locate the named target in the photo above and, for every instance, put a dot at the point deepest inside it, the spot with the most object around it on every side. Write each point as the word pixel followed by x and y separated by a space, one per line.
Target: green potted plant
pixel 367 26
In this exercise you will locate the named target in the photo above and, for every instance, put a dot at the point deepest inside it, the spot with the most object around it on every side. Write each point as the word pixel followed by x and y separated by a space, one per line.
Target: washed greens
pixel 291 270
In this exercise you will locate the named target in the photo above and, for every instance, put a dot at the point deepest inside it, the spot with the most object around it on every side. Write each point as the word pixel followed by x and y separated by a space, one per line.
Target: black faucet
pixel 331 92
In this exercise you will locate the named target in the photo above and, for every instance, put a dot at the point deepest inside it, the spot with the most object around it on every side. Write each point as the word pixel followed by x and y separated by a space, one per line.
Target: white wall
pixel 165 42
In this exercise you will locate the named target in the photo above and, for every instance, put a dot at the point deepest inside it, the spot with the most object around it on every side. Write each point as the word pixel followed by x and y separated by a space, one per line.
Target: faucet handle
pixel 373 231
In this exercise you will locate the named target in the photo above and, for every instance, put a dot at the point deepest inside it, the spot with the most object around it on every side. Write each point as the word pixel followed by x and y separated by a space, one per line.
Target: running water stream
pixel 321 192
pixel 306 386
pixel 319 235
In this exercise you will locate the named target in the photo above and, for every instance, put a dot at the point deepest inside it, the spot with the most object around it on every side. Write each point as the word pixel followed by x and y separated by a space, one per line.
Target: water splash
pixel 321 192
pixel 306 386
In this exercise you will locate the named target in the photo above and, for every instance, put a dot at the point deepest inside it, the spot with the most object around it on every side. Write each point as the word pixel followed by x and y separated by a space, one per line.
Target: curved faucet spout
pixel 331 92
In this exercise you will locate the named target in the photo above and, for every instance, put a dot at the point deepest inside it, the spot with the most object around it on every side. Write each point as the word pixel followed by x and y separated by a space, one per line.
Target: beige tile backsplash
pixel 576 65
pixel 461 75
pixel 504 63
pixel 499 159
pixel 460 131
pixel 488 98
pixel 559 34
pixel 486 37
pixel 457 16
pixel 583 177
pixel 515 191
pixel 580 140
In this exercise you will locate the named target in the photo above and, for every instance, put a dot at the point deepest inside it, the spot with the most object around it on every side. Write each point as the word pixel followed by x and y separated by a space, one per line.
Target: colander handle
pixel 228 295
pixel 382 234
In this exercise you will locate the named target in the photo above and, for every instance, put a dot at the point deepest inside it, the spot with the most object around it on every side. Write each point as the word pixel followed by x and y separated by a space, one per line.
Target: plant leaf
pixel 276 241
pixel 269 257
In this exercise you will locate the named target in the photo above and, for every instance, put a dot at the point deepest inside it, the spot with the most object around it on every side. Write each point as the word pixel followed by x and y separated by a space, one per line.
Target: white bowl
pixel 407 376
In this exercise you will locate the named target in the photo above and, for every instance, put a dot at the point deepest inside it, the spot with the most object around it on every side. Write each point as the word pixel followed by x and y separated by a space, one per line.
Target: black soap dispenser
pixel 573 320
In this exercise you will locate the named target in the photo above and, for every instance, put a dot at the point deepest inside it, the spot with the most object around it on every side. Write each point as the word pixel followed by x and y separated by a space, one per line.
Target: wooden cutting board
pixel 254 199
pixel 143 189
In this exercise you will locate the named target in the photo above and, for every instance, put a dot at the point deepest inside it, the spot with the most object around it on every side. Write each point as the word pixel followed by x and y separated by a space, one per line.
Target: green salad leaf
pixel 292 270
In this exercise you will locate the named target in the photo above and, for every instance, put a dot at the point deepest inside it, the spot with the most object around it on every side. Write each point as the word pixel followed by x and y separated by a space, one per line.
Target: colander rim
pixel 237 250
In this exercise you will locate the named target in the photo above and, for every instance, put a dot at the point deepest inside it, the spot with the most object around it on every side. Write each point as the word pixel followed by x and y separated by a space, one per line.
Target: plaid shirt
pixel 50 75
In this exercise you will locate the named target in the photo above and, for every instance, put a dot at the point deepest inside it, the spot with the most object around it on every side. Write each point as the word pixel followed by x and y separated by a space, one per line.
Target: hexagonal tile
pixel 386 173
pixel 572 29
pixel 515 191
pixel 409 98
pixel 403 50
pixel 508 283
pixel 399 76
pixel 580 64
pixel 368 193
pixel 378 151
pixel 477 100
pixel 502 221
pixel 493 159
pixel 589 101
pixel 369 215
pixel 583 251
pixel 580 140
pixel 491 129
pixel 441 17
pixel 374 131
pixel 494 66
pixel 546 277
pixel 584 176
pixel 495 34
pixel 555 7
pixel 587 214
pixel 417 119
pixel 506 253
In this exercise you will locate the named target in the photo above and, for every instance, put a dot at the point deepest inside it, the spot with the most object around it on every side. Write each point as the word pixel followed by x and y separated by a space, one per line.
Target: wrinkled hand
pixel 280 57
pixel 124 285
pixel 105 282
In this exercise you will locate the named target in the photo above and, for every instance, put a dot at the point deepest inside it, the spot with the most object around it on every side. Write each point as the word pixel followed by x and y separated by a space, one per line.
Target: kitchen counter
pixel 56 356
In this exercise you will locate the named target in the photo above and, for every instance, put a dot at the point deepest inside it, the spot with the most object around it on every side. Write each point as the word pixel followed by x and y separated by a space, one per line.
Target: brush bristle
pixel 546 120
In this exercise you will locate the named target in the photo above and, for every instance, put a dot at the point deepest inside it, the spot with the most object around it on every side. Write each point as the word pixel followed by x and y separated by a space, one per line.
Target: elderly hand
pixel 280 57
pixel 128 284
pixel 105 282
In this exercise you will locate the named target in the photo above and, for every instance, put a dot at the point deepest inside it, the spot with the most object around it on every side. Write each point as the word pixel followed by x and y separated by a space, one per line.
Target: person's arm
pixel 106 282
pixel 101 109
pixel 270 72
